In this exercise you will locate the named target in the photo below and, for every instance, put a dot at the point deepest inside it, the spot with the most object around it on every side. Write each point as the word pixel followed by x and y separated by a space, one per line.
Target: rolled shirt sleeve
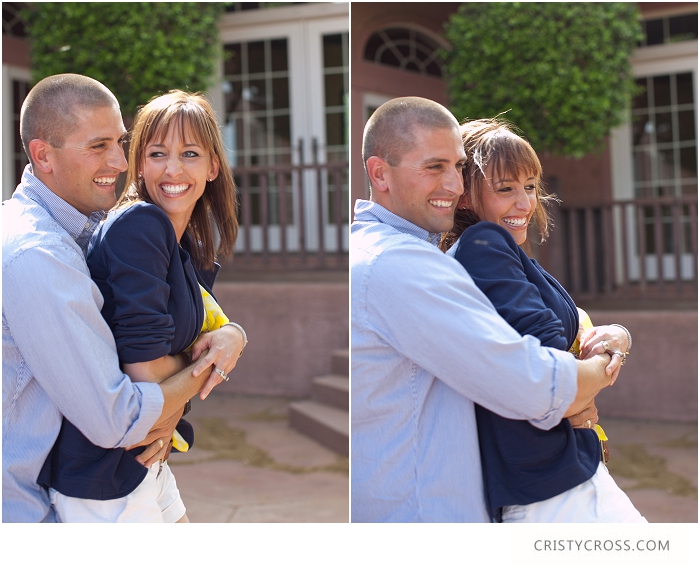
pixel 51 309
pixel 451 330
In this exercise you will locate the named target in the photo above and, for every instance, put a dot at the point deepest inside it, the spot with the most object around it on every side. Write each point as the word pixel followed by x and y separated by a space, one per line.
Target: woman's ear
pixel 465 202
pixel 214 172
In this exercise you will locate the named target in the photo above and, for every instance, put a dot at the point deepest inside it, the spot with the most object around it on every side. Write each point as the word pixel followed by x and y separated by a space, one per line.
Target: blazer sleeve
pixel 136 251
pixel 494 261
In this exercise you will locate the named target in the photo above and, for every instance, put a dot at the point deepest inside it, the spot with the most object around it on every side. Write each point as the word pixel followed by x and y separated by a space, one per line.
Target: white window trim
pixel 9 74
pixel 647 61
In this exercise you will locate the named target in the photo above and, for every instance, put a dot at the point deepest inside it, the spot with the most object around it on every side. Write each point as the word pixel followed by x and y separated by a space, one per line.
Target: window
pixel 12 22
pixel 405 49
pixel 244 6
pixel 664 147
pixel 663 136
pixel 670 29
pixel 19 93
pixel 335 79
pixel 258 131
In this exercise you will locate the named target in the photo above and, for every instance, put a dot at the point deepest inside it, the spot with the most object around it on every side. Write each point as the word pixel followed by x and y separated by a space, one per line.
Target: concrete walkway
pixel 656 464
pixel 249 466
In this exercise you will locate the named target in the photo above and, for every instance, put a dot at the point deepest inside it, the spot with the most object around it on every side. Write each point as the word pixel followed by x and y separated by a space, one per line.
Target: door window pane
pixel 258 130
pixel 664 136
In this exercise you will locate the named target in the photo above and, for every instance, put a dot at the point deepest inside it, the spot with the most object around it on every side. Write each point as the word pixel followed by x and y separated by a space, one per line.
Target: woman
pixel 153 259
pixel 530 475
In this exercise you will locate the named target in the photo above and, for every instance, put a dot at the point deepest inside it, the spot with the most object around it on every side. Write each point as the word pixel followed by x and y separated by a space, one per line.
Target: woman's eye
pixel 190 154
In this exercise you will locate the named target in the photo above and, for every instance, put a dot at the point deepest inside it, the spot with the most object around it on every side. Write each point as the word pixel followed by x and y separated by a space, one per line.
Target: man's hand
pixel 586 418
pixel 225 346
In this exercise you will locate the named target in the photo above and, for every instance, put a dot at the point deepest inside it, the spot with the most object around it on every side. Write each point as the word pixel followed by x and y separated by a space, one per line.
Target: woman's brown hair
pixel 492 143
pixel 190 114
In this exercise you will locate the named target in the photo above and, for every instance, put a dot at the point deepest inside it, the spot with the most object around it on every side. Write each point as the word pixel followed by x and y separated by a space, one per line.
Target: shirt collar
pixel 368 211
pixel 78 225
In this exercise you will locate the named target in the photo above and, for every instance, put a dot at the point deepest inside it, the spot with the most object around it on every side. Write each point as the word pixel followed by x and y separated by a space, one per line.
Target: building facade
pixel 624 242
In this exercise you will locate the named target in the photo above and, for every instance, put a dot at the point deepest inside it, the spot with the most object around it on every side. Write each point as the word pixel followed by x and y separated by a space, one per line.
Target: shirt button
pixel 87 225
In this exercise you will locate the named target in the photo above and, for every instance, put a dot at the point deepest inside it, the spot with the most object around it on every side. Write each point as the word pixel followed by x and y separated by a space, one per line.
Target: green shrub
pixel 136 49
pixel 561 70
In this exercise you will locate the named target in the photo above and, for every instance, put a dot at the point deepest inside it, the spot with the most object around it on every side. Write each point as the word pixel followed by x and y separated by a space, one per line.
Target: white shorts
pixel 155 500
pixel 598 500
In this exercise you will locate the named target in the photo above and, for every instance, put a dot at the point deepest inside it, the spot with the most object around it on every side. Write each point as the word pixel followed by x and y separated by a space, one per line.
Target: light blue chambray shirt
pixel 58 354
pixel 426 344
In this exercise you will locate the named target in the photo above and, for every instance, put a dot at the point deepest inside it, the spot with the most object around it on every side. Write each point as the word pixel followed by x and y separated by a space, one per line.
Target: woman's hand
pixel 224 347
pixel 156 451
pixel 608 339
pixel 586 418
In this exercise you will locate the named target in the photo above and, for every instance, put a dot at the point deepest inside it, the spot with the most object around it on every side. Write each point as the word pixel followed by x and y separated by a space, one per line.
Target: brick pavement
pixel 249 466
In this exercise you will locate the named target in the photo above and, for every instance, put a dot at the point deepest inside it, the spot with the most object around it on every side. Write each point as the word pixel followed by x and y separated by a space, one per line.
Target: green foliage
pixel 560 69
pixel 136 49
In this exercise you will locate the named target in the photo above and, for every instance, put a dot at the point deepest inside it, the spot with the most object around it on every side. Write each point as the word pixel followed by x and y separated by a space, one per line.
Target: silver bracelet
pixel 239 328
pixel 629 336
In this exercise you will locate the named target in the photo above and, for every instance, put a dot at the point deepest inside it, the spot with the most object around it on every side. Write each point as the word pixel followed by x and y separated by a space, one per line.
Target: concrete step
pixel 332 390
pixel 340 362
pixel 327 425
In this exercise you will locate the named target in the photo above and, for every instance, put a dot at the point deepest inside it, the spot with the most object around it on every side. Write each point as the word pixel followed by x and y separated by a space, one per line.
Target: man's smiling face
pixel 425 186
pixel 85 168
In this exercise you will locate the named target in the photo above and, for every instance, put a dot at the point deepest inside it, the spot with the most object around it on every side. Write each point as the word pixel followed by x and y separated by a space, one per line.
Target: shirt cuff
pixel 151 407
pixel 564 388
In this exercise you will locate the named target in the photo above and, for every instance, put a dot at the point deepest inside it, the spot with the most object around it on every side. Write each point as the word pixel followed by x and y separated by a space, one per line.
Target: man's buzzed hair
pixel 48 111
pixel 389 132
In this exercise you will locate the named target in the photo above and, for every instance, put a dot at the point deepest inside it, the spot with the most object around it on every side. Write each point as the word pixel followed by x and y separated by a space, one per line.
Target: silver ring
pixel 605 345
pixel 222 373
pixel 621 354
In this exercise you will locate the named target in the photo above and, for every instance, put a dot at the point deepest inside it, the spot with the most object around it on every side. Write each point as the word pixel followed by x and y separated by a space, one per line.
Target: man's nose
pixel 117 159
pixel 454 182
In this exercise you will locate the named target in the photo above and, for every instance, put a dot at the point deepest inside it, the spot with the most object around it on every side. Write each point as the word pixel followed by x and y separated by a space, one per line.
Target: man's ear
pixel 376 171
pixel 40 151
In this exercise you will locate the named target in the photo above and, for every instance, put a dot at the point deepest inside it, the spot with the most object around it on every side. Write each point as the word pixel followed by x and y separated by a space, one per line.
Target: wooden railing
pixel 601 248
pixel 292 217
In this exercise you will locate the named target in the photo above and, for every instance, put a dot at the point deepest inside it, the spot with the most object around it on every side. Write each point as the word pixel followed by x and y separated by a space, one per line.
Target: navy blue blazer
pixel 153 304
pixel 521 463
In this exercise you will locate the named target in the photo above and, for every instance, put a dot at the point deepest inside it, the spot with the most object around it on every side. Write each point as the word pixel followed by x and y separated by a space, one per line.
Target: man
pixel 59 356
pixel 426 342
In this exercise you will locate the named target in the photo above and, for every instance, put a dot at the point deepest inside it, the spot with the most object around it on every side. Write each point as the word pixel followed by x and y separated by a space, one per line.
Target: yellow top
pixel 214 318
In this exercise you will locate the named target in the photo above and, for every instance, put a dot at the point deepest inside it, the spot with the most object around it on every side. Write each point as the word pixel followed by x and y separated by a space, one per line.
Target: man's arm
pixel 591 379
pixel 52 309
pixel 424 305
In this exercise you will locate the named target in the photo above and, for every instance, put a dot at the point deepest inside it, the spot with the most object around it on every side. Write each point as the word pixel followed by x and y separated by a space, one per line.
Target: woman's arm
pixel 493 260
pixel 156 371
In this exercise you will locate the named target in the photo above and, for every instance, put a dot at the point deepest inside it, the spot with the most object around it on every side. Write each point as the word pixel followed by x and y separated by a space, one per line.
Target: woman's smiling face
pixel 175 172
pixel 508 201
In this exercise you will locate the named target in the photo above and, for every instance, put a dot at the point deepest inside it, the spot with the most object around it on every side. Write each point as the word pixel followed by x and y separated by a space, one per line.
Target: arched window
pixel 405 49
